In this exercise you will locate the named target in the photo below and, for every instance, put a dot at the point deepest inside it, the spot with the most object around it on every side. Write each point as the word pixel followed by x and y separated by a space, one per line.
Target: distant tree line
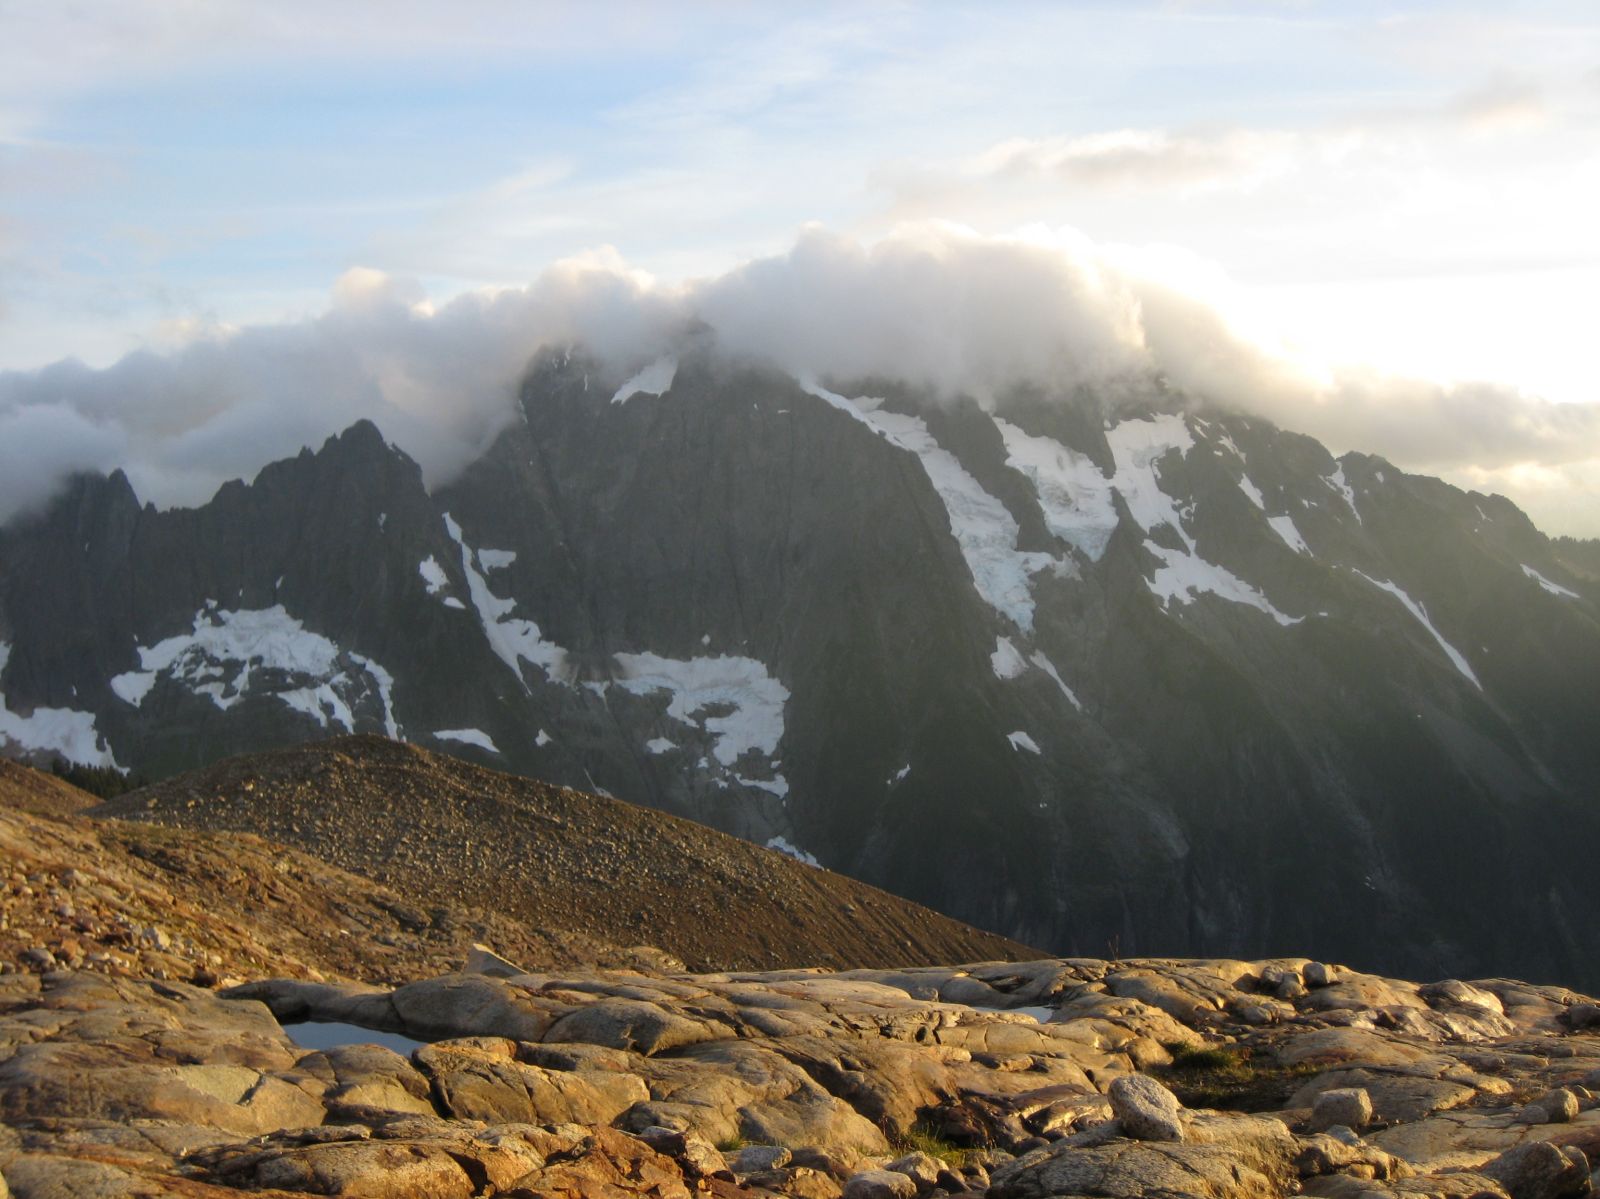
pixel 105 781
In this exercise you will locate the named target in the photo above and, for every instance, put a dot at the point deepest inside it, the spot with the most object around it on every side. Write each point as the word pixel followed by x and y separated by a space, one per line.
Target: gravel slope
pixel 443 833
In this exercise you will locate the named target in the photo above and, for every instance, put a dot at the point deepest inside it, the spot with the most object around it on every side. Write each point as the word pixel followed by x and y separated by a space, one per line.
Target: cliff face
pixel 1143 680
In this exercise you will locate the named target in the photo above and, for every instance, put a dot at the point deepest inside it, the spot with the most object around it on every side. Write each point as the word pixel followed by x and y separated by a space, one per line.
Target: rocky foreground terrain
pixel 1012 1080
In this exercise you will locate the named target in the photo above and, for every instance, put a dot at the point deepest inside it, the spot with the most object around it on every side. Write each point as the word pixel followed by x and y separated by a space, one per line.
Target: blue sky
pixel 1396 187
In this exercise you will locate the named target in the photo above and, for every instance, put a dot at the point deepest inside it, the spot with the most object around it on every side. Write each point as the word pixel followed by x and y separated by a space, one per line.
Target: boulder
pixel 1350 1106
pixel 1239 1158
pixel 753 1158
pixel 636 1025
pixel 1540 1170
pixel 1145 1109
pixel 1559 1106
pixel 879 1184
pixel 921 1168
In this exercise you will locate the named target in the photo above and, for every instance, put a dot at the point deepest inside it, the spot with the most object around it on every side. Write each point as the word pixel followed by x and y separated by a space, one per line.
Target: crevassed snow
pixel 1006 660
pixel 513 639
pixel 1074 496
pixel 1284 527
pixel 696 684
pixel 660 745
pixel 65 731
pixel 1337 482
pixel 1182 576
pixel 496 559
pixel 1421 614
pixel 1044 664
pixel 469 737
pixel 1252 491
pixel 1552 588
pixel 433 575
pixel 785 846
pixel 1021 740
pixel 655 379
pixel 224 649
pixel 984 530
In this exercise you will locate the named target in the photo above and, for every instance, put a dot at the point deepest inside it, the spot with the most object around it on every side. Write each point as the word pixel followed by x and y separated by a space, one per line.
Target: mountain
pixel 1126 677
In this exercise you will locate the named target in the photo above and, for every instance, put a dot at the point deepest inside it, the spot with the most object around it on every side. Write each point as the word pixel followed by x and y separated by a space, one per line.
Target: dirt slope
pixel 443 833
pixel 24 789
pixel 148 901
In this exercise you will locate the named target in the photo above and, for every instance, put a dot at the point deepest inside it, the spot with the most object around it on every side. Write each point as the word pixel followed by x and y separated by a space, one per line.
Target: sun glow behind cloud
pixel 1354 193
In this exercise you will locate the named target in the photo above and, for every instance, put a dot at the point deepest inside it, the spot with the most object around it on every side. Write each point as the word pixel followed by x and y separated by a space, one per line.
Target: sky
pixel 1373 222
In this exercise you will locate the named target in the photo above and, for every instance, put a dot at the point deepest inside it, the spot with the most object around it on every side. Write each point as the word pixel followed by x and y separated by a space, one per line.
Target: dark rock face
pixel 1280 702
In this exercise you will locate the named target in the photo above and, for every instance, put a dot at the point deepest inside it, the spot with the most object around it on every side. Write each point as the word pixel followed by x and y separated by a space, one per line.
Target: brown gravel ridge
pixel 444 833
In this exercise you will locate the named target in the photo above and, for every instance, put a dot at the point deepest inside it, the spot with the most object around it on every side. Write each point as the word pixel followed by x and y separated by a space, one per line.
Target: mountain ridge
pixel 1276 697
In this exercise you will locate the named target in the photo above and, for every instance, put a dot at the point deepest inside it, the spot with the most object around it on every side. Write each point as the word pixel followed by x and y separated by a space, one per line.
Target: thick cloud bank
pixel 935 306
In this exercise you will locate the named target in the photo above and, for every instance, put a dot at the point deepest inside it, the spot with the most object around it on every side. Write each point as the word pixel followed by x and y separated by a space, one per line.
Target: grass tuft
pixel 1231 1078
pixel 920 1138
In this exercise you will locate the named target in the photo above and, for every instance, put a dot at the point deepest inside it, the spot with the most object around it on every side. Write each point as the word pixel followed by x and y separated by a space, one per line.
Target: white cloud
pixel 935 305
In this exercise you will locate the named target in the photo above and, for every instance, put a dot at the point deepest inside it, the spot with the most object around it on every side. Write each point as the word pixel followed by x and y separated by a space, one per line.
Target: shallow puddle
pixel 330 1034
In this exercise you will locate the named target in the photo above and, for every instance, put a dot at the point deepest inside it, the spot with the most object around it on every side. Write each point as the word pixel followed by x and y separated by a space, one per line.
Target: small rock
pixel 880 1184
pixel 38 957
pixel 1146 1110
pixel 1349 1106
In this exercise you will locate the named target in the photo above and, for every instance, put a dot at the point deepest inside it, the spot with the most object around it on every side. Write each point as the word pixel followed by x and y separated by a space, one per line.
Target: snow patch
pixel 1336 482
pixel 225 649
pixel 984 530
pixel 660 745
pixel 1021 740
pixel 64 731
pixel 433 575
pixel 1044 664
pixel 655 379
pixel 513 639
pixel 496 559
pixel 776 785
pixel 1552 588
pixel 543 739
pixel 1005 660
pixel 900 775
pixel 785 846
pixel 1421 614
pixel 1252 491
pixel 733 700
pixel 1284 527
pixel 1137 447
pixel 469 737
pixel 1073 495
pixel 1183 576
